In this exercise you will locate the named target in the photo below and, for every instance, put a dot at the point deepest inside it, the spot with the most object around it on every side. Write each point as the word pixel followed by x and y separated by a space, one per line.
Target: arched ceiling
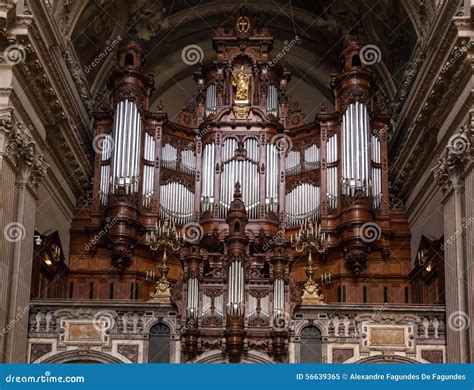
pixel 168 26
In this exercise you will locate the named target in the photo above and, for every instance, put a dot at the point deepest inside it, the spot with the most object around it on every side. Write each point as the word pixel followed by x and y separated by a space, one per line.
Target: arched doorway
pixel 311 345
pixel 159 344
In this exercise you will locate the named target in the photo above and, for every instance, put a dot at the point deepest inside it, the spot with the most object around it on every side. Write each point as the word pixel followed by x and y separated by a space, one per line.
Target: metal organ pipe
pixel 208 163
pixel 148 169
pixel 245 172
pixel 193 296
pixel 271 178
pixel 211 100
pixel 279 296
pixel 236 288
pixel 176 202
pixel 356 149
pixel 272 100
pixel 302 204
pixel 127 136
pixel 332 182
pixel 376 172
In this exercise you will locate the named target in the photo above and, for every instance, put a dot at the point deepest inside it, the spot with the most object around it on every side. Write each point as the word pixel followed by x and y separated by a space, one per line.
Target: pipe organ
pixel 240 164
pixel 221 168
pixel 356 150
pixel 127 137
pixel 332 176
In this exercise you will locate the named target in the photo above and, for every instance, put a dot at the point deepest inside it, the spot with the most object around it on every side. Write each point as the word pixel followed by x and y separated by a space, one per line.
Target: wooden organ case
pixel 237 175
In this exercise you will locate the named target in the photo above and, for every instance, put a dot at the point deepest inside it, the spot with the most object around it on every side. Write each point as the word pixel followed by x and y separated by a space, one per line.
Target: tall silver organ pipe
pixel 126 133
pixel 176 202
pixel 376 172
pixel 279 297
pixel 255 311
pixel 208 308
pixel 188 162
pixel 355 149
pixel 148 169
pixel 302 204
pixel 243 171
pixel 169 157
pixel 272 100
pixel 107 147
pixel 211 100
pixel 193 298
pixel 236 288
pixel 208 168
pixel 332 179
pixel 293 163
pixel 311 158
pixel 271 178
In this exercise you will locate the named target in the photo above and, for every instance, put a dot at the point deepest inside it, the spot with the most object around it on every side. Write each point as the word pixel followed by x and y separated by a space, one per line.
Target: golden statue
pixel 241 82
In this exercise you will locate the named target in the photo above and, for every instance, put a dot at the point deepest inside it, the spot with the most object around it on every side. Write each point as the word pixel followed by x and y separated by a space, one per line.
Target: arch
pixel 159 343
pixel 82 356
pixel 311 345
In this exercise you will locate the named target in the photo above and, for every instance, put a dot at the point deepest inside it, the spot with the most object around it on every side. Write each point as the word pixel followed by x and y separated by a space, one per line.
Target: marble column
pixel 22 168
pixel 454 175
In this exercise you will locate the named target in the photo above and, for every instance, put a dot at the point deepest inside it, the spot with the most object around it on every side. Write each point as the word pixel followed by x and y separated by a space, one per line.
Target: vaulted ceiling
pixel 167 26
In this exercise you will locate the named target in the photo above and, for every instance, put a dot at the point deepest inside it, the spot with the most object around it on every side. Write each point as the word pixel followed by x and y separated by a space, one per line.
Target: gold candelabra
pixel 164 236
pixel 311 238
pixel 311 292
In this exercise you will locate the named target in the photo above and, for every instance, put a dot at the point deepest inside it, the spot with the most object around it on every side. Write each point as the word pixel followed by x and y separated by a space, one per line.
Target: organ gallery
pixel 243 228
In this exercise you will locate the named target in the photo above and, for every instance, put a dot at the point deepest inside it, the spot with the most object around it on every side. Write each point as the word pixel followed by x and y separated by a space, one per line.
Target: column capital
pixel 24 152
pixel 455 161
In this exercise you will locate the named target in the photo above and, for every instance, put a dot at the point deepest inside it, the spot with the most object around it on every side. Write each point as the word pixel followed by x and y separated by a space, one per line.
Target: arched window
pixel 311 345
pixel 159 344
